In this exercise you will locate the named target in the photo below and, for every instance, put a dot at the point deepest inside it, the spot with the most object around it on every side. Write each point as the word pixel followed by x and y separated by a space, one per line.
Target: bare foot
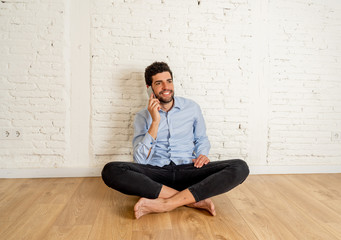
pixel 145 206
pixel 206 204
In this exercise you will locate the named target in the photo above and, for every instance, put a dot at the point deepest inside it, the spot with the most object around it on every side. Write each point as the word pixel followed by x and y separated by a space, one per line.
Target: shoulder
pixel 143 114
pixel 185 103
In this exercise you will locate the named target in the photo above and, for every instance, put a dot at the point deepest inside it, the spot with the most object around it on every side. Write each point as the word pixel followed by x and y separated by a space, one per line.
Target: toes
pixel 137 215
pixel 213 212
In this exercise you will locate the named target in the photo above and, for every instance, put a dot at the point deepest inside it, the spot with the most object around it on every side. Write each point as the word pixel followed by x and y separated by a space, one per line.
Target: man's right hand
pixel 153 108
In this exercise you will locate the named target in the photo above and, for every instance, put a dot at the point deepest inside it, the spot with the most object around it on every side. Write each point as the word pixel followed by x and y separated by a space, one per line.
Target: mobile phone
pixel 150 91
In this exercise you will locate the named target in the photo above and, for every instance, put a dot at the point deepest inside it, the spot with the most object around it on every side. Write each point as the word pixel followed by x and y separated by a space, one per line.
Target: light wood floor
pixel 263 207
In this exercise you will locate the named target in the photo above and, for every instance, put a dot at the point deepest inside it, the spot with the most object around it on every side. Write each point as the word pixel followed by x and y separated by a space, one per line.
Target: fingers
pixel 154 105
pixel 153 102
pixel 153 108
pixel 200 161
pixel 152 99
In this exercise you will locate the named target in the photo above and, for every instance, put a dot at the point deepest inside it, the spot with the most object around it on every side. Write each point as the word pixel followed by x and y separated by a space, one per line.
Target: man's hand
pixel 153 108
pixel 200 161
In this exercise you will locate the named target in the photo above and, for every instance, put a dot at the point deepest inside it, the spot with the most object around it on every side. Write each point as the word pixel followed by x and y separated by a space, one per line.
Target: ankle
pixel 166 204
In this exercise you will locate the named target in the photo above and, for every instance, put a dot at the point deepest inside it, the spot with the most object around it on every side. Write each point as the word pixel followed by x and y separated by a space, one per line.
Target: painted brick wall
pixel 208 48
pixel 305 88
pixel 265 73
pixel 33 88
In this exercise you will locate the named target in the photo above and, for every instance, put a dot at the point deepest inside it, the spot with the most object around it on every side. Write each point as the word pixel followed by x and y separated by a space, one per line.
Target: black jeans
pixel 147 180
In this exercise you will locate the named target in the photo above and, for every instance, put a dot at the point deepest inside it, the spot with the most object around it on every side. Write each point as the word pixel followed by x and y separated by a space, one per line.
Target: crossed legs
pixel 164 189
pixel 170 199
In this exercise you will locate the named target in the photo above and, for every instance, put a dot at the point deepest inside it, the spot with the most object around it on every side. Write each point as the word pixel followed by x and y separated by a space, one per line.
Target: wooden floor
pixel 263 207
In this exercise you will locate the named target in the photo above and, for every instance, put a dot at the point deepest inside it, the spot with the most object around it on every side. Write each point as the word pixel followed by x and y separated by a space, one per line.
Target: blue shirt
pixel 181 135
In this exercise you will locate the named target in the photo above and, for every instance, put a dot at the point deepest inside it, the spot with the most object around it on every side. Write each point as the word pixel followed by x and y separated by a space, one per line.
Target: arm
pixel 144 137
pixel 201 142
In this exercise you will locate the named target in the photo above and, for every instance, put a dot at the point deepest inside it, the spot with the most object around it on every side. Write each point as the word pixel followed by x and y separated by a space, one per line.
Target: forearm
pixel 202 144
pixel 141 153
pixel 154 127
pixel 143 145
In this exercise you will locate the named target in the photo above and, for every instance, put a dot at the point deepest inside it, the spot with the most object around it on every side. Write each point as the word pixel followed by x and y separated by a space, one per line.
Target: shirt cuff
pixel 148 140
pixel 203 152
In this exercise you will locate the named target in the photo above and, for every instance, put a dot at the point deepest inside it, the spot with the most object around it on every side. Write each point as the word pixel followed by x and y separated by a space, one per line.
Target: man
pixel 171 167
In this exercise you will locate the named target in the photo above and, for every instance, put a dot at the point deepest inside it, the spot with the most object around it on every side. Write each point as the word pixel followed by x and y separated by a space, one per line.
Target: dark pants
pixel 146 180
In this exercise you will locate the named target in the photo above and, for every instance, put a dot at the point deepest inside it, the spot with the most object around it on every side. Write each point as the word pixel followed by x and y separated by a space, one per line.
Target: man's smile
pixel 166 92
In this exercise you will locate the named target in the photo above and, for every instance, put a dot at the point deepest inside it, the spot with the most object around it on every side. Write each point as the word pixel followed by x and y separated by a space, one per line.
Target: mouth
pixel 166 92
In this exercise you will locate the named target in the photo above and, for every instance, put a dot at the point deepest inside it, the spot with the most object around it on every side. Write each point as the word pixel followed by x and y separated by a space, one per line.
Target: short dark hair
pixel 155 68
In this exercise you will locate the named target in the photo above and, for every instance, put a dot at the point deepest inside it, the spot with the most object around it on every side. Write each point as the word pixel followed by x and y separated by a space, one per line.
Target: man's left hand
pixel 200 161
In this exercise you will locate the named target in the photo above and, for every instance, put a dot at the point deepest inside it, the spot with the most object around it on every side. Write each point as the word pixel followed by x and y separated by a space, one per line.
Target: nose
pixel 164 85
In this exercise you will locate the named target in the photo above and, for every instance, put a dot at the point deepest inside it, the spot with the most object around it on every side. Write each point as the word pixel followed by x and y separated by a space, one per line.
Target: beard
pixel 167 99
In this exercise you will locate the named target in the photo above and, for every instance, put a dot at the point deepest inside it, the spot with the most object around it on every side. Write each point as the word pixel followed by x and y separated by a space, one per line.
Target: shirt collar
pixel 177 103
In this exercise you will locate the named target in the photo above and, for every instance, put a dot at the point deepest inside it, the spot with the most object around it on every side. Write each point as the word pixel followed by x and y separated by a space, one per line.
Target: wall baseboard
pixel 294 169
pixel 50 172
pixel 96 172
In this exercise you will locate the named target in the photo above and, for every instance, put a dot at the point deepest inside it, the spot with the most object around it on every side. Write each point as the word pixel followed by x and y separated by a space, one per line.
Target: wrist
pixel 154 129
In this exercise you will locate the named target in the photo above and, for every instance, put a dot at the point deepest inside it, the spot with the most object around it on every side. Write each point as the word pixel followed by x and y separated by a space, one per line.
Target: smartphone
pixel 150 91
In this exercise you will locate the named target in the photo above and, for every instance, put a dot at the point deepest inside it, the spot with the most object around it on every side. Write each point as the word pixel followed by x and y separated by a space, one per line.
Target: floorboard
pixel 300 206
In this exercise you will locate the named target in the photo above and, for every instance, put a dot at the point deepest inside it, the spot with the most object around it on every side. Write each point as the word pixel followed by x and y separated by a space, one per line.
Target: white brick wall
pixel 266 74
pixel 304 93
pixel 208 50
pixel 33 87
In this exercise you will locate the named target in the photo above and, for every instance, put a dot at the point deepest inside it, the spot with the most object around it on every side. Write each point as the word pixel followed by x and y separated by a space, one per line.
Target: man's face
pixel 162 84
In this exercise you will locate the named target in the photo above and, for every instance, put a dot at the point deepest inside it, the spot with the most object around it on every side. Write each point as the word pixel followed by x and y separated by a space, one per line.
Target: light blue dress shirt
pixel 181 135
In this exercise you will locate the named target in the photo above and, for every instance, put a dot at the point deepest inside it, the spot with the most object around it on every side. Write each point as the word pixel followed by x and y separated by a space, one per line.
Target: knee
pixel 110 172
pixel 106 173
pixel 242 169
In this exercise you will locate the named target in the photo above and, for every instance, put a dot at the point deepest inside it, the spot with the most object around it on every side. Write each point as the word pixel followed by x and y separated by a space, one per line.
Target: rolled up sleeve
pixel 142 141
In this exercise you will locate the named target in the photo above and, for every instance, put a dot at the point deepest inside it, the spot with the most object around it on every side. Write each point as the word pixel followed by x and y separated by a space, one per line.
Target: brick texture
pixel 305 82
pixel 208 48
pixel 33 89
pixel 211 48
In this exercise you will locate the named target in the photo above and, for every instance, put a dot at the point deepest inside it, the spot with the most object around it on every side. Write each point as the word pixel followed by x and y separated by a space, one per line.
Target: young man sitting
pixel 171 167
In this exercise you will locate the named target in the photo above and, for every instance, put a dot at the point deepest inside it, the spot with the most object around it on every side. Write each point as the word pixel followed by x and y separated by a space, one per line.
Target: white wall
pixel 266 74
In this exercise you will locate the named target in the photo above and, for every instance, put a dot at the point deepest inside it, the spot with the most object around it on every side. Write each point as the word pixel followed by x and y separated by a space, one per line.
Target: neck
pixel 167 106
